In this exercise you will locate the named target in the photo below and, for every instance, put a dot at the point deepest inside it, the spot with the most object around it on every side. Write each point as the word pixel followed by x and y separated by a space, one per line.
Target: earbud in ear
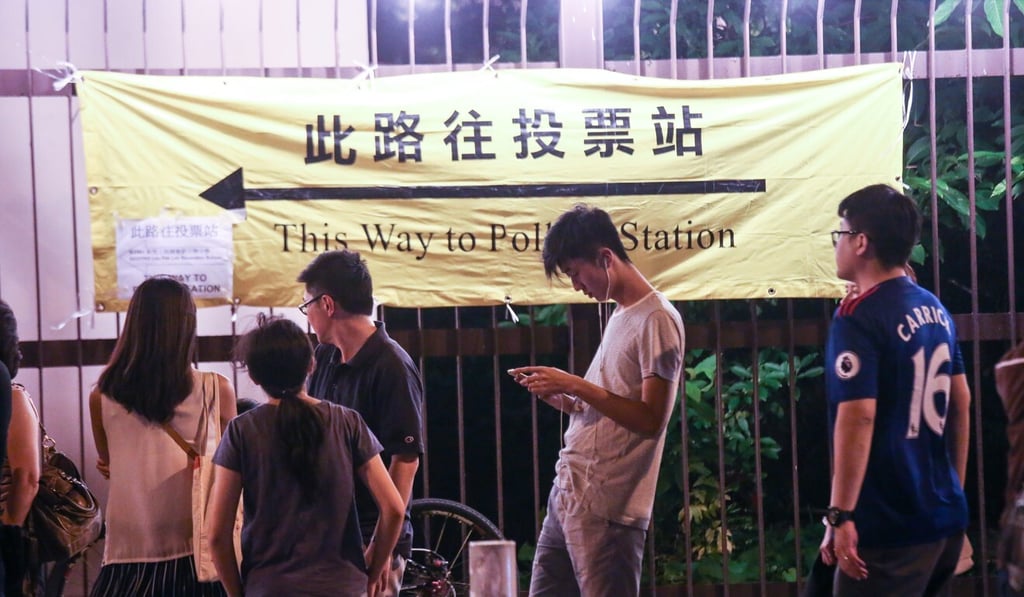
pixel 607 263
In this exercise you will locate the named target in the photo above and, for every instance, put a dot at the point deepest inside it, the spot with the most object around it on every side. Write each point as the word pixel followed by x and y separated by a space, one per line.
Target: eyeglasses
pixel 836 234
pixel 304 307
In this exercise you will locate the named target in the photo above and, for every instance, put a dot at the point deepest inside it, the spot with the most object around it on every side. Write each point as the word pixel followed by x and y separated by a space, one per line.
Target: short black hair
pixel 580 233
pixel 890 219
pixel 10 353
pixel 344 276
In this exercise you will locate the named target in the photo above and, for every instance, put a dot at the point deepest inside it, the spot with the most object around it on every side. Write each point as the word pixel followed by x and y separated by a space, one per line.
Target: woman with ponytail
pixel 294 462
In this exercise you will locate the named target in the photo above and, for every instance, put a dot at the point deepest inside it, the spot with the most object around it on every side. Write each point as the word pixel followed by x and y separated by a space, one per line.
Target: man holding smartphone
pixel 600 504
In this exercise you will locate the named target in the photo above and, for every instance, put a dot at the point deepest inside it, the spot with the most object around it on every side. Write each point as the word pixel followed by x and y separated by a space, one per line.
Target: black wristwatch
pixel 836 517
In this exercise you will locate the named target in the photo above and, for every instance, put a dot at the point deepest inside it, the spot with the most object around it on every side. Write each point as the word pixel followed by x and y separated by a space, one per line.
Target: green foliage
pixel 766 23
pixel 993 12
pixel 691 29
pixel 524 559
pixel 709 539
pixel 952 174
pixel 541 29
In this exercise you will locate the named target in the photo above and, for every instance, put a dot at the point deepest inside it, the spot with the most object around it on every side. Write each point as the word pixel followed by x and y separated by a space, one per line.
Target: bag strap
pixel 47 442
pixel 191 452
pixel 215 409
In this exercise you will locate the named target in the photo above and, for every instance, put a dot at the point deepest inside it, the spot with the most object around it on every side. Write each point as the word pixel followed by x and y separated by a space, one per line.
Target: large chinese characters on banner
pixel 447 183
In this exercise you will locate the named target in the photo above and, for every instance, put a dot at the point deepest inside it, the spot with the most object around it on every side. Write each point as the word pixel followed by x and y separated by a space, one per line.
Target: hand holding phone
pixel 518 376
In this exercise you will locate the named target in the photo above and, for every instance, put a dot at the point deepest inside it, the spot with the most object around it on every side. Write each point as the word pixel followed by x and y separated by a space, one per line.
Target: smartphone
pixel 518 376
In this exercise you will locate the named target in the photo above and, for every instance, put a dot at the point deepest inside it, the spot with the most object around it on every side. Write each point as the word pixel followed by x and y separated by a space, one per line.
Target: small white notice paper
pixel 196 251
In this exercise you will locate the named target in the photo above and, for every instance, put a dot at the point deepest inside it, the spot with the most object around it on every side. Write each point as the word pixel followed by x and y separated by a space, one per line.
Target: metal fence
pixel 486 446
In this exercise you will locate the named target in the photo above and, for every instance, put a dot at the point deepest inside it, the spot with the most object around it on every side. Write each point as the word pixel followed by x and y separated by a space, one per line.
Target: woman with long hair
pixel 295 460
pixel 150 382
pixel 19 480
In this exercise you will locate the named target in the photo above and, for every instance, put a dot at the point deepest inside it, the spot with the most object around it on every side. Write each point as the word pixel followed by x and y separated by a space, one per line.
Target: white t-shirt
pixel 604 468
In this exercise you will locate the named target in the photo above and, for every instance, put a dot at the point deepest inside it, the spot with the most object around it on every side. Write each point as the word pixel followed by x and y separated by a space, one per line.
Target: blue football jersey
pixel 897 344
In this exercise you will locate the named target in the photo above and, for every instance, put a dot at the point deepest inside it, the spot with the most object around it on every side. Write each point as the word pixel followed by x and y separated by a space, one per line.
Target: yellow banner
pixel 446 183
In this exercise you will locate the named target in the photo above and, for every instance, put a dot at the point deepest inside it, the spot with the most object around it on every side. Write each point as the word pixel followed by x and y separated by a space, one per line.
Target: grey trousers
pixel 579 554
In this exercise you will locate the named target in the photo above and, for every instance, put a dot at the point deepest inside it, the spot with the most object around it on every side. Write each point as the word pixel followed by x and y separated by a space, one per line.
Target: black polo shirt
pixel 382 383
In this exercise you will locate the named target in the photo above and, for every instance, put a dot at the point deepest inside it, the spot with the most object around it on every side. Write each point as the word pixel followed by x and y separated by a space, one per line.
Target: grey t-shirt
pixel 288 547
pixel 605 468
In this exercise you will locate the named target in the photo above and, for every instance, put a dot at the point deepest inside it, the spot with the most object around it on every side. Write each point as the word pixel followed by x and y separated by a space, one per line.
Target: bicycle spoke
pixel 458 554
pixel 440 536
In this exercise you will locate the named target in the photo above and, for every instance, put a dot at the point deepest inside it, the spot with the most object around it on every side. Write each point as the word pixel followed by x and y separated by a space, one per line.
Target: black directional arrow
pixel 230 193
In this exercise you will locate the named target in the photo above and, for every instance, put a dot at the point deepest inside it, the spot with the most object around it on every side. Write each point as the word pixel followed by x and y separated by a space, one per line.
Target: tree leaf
pixel 919 150
pixel 741 371
pixel 952 197
pixel 988 203
pixel 917 254
pixel 705 367
pixel 994 14
pixel 944 10
pixel 986 159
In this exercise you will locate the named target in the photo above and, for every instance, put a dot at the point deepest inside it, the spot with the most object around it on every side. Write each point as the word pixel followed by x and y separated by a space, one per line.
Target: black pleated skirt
pixel 169 578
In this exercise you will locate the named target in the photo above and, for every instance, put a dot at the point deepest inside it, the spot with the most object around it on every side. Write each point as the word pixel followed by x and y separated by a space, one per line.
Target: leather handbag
pixel 66 517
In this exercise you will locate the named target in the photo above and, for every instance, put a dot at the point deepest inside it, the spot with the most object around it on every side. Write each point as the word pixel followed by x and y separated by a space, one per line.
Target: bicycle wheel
pixel 442 530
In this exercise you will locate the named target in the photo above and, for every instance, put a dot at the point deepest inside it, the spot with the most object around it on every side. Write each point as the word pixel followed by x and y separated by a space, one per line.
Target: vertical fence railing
pixel 794 444
pixel 684 434
pixel 758 477
pixel 523 58
pixel 723 517
pixel 496 375
pixel 973 245
pixel 422 362
pixel 538 504
pixel 460 398
pixel 710 38
pixel 1011 275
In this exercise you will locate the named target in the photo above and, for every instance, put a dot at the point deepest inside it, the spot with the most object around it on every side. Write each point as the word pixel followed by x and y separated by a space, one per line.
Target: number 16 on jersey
pixel 930 385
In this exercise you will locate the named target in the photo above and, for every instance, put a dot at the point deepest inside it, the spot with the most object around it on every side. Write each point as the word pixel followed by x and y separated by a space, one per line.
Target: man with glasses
pixel 898 409
pixel 359 366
